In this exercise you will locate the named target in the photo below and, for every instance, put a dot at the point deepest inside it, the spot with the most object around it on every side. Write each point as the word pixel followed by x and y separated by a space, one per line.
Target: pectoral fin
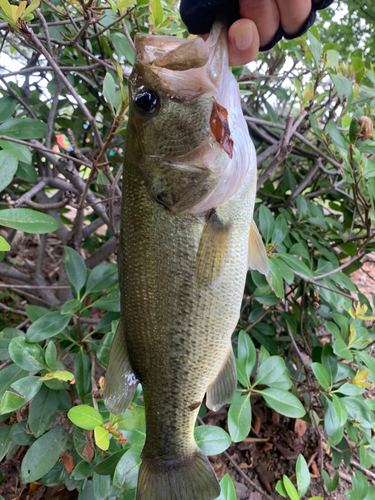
pixel 257 256
pixel 212 251
pixel 223 388
pixel 120 381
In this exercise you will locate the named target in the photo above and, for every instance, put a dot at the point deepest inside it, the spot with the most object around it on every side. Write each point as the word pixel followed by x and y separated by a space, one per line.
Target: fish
pixel 187 240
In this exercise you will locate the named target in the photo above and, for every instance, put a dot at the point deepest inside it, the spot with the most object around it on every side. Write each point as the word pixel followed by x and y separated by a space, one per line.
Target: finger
pixel 243 41
pixel 266 16
pixel 293 14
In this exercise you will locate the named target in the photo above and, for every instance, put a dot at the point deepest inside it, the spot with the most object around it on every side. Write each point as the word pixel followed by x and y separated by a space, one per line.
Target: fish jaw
pixel 185 166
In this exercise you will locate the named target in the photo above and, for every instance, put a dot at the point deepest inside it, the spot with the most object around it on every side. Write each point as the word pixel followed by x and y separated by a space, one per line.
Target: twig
pixel 14 311
pixel 30 194
pixel 60 75
pixel 128 37
pixel 37 145
pixel 285 148
pixel 45 29
pixel 313 282
pixel 6 363
pixel 52 114
pixel 36 287
pixel 14 94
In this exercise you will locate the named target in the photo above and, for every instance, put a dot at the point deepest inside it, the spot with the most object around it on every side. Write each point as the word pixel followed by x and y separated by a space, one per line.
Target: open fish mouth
pixel 184 67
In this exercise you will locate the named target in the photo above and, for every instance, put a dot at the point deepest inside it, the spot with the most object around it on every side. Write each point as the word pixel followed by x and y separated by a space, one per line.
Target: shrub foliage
pixel 304 340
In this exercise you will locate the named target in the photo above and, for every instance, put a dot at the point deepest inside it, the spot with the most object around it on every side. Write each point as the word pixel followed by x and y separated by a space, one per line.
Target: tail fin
pixel 188 479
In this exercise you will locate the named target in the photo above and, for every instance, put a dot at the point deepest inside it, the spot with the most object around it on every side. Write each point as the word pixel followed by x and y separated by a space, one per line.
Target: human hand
pixel 259 23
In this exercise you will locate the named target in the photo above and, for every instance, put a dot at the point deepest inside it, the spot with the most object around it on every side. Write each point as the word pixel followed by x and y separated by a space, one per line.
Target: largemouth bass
pixel 187 239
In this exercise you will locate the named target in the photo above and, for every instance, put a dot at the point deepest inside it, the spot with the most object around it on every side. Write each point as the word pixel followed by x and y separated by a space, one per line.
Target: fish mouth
pixel 184 68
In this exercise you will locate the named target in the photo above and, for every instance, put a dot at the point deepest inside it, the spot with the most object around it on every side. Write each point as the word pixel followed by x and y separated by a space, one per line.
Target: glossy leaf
pixel 29 221
pixel 42 455
pixel 86 417
pixel 75 268
pixel 283 402
pixel 211 439
pixel 239 419
pixel 47 326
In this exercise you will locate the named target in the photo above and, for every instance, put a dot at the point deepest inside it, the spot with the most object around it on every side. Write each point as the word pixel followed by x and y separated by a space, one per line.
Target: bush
pixel 304 340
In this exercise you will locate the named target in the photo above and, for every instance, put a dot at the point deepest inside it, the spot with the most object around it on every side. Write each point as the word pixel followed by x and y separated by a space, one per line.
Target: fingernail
pixel 243 39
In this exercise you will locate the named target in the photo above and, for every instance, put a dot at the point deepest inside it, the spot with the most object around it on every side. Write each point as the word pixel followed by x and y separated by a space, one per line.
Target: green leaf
pixel 123 47
pixel 157 10
pixel 104 347
pixel 86 417
pixel 4 245
pixel 43 410
pixel 11 402
pixel 7 106
pixel 329 361
pixel 303 476
pixel 228 491
pixel 246 353
pixel 126 473
pixel 108 465
pixel 322 375
pixel 42 455
pixel 20 435
pixel 331 422
pixel 281 230
pixel 290 489
pixel 315 47
pixel 24 128
pixel 83 470
pixel 8 376
pixel 27 172
pixel 20 152
pixel 296 264
pixel 75 268
pixel 47 326
pixel 341 349
pixel 8 167
pixel 109 90
pixel 283 402
pixel 132 419
pixel 266 222
pixel 275 278
pixel 71 307
pixel 280 489
pixel 101 437
pixel 28 221
pixel 27 356
pixel 5 441
pixel 239 419
pixel 270 370
pixel 82 367
pixel 344 87
pixel 109 302
pixel 27 387
pixel 35 312
pixel 50 354
pixel 211 439
pixel 357 410
pixel 101 277
pixel 330 483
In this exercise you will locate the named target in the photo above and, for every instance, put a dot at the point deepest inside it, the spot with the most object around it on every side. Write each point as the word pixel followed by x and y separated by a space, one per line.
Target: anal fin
pixel 223 388
pixel 257 256
pixel 212 251
pixel 120 381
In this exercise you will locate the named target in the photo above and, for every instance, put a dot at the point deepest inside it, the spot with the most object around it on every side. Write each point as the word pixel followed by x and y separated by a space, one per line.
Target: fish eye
pixel 146 101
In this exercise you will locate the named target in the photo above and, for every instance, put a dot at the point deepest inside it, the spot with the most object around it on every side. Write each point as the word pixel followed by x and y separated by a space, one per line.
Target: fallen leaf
pixel 68 461
pixel 88 451
pixel 267 447
pixel 300 427
pixel 257 423
pixel 315 470
pixel 275 417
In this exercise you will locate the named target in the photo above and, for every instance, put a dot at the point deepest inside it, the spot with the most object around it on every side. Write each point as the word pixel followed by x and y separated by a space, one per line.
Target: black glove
pixel 199 16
